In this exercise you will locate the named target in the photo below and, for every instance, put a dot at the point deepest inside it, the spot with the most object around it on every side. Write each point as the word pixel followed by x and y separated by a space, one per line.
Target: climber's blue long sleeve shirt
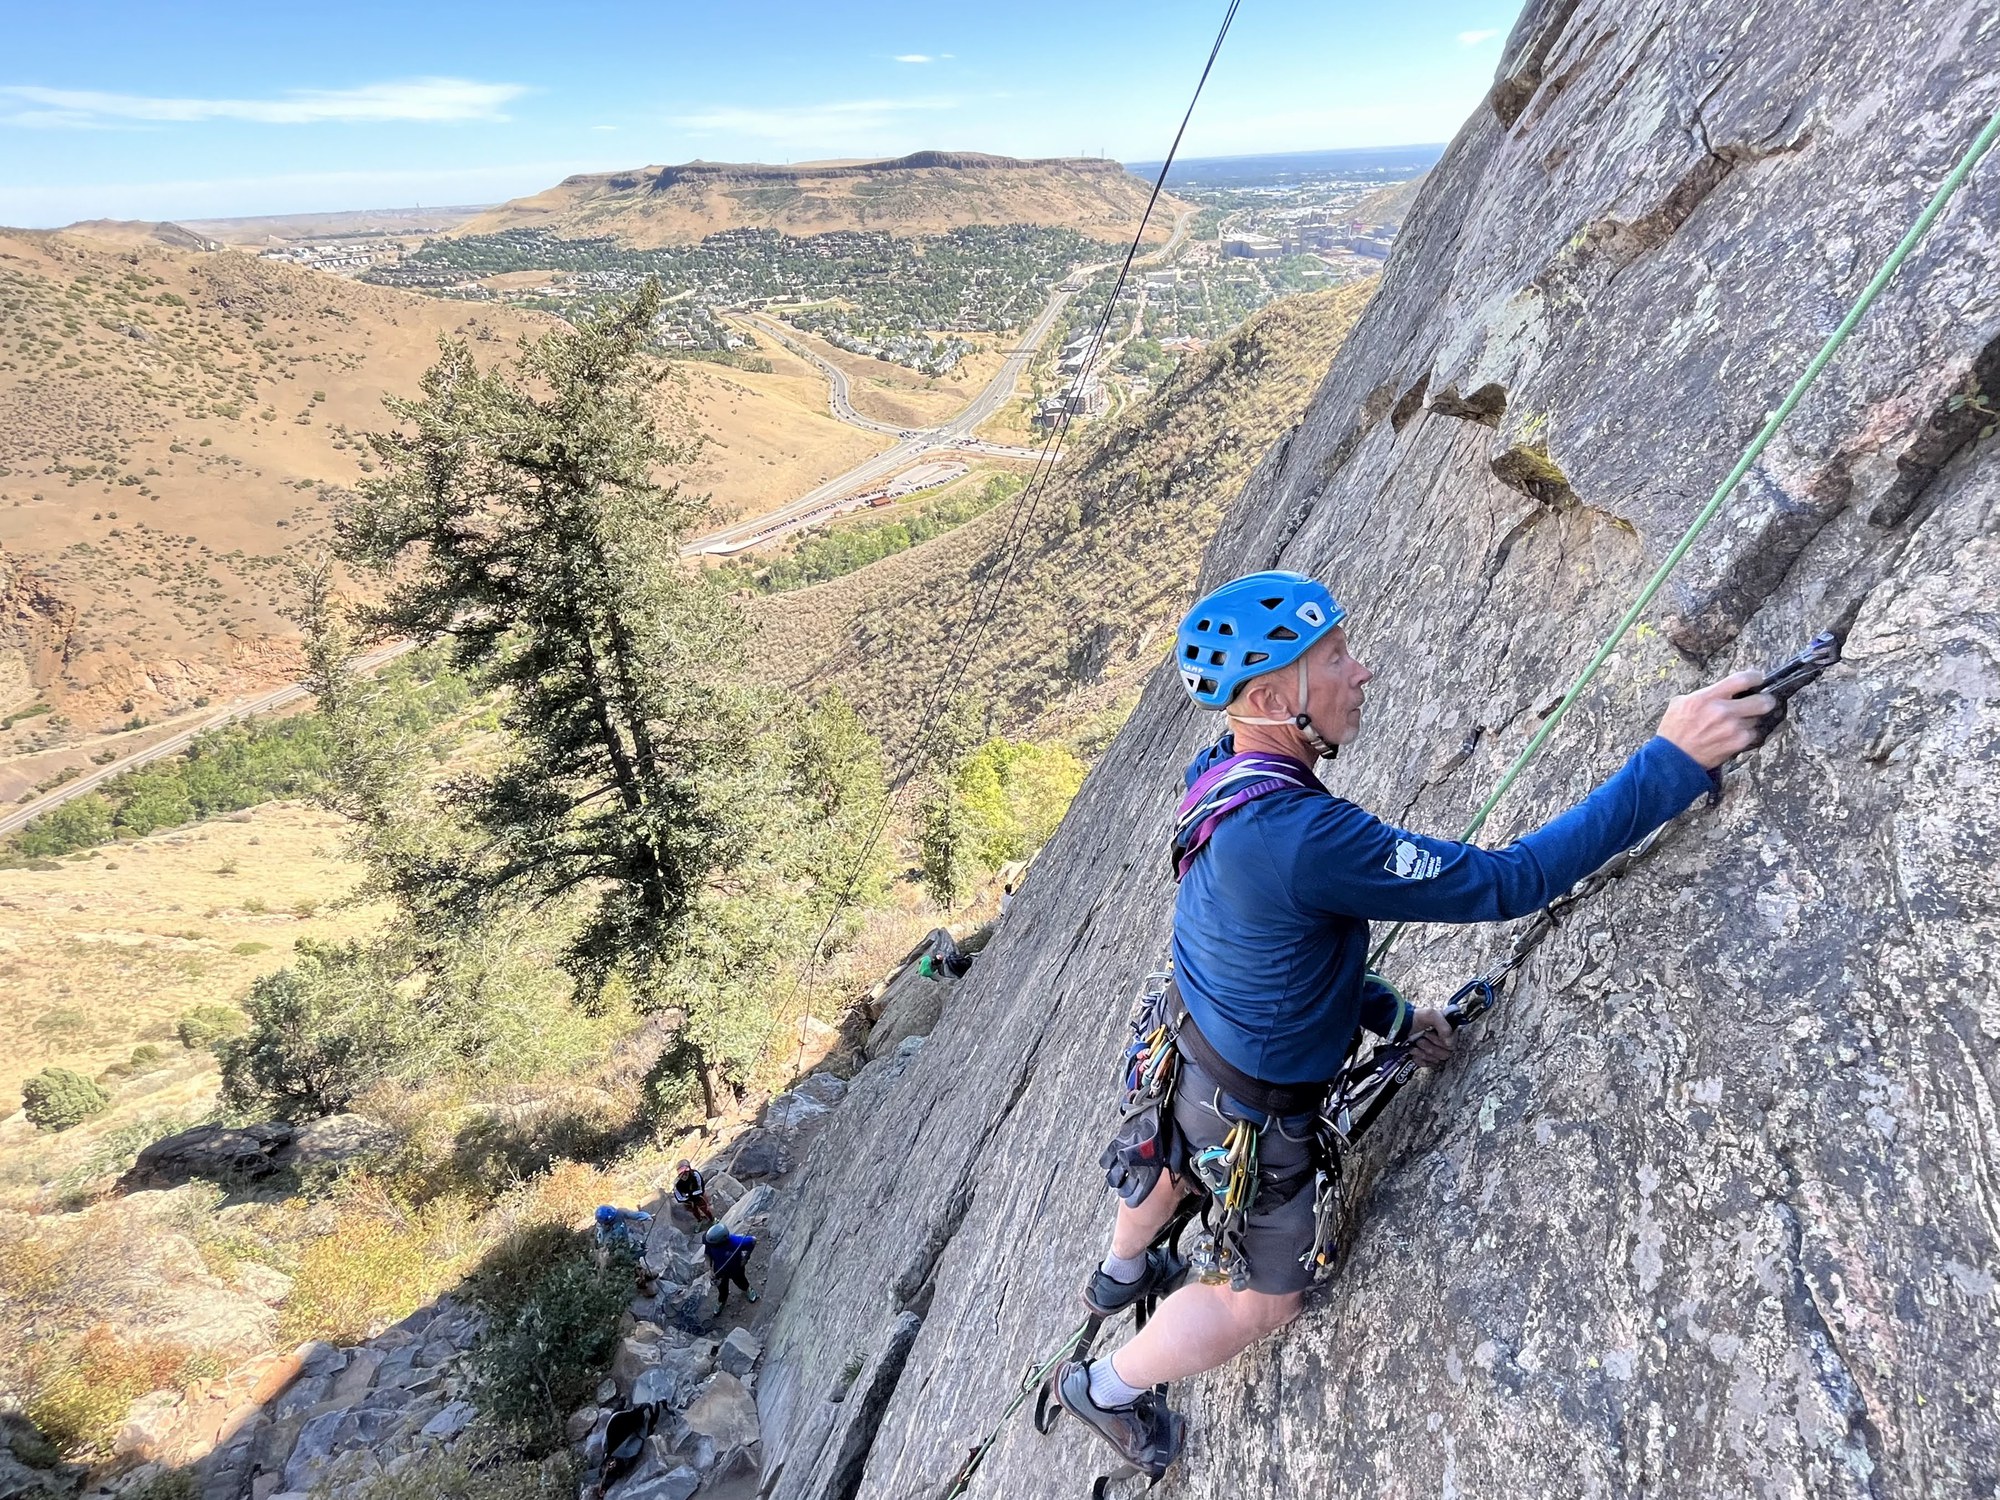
pixel 1271 923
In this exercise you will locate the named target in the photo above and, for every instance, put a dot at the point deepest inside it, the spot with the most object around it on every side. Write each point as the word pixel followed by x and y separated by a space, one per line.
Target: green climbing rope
pixel 1909 242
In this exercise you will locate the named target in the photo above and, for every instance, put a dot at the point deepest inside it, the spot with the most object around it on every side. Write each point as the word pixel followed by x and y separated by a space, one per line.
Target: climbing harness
pixel 1230 783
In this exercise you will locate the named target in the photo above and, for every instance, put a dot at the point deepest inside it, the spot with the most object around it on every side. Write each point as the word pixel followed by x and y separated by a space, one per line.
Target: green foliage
pixel 544 1360
pixel 824 555
pixel 945 844
pixel 238 766
pixel 322 1030
pixel 491 1004
pixel 206 1025
pixel 57 1098
pixel 1014 793
pixel 78 823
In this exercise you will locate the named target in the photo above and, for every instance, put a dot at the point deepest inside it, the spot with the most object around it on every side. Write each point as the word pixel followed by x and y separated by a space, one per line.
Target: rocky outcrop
pixel 319 1418
pixel 1707 1207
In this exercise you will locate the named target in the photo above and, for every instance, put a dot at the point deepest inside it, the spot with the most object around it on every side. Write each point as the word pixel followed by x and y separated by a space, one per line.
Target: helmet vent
pixel 1282 633
pixel 1225 628
pixel 1191 651
pixel 1270 603
pixel 1251 658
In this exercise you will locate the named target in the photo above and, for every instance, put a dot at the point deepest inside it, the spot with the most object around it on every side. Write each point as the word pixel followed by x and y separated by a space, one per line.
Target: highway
pixel 953 436
pixel 17 818
pixel 913 444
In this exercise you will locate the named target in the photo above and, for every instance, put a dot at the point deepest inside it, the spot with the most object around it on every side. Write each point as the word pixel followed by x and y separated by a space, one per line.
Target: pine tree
pixel 520 515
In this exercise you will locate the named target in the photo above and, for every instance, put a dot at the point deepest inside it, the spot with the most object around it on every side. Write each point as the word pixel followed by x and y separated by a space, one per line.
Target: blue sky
pixel 189 110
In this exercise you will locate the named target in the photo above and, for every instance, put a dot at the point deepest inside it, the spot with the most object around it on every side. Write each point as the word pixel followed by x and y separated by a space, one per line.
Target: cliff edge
pixel 1708 1206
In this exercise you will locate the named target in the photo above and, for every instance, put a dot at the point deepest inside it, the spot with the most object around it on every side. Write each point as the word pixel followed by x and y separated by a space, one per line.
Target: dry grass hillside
pixel 769 435
pixel 175 428
pixel 1390 205
pixel 102 951
pixel 923 193
pixel 1109 563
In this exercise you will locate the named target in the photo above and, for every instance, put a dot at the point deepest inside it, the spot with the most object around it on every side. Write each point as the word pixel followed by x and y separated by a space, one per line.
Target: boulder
pixel 758 1153
pixel 723 1411
pixel 911 1006
pixel 755 1204
pixel 147 1426
pixel 335 1143
pixel 739 1352
pixel 647 1483
pixel 450 1422
pixel 822 1088
pixel 637 1353
pixel 266 1283
pixel 228 1154
pixel 314 1447
pixel 790 1112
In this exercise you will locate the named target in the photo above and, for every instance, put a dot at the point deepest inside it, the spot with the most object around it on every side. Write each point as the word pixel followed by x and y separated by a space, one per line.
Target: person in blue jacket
pixel 728 1261
pixel 1270 944
pixel 622 1229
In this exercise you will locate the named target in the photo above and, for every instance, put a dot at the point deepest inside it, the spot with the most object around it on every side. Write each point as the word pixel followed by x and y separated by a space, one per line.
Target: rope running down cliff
pixel 980 613
pixel 1909 242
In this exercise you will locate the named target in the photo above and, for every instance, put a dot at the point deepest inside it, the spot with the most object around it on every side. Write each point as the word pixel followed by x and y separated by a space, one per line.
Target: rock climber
pixel 691 1192
pixel 728 1261
pixel 1270 942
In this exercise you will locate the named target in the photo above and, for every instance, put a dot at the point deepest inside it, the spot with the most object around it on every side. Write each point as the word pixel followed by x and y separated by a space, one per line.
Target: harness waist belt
pixel 1281 1099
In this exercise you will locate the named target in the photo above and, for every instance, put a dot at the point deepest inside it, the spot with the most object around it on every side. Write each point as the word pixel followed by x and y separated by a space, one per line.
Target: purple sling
pixel 1224 787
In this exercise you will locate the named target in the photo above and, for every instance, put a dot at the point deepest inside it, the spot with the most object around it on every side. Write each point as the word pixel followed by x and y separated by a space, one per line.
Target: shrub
pixel 145 1055
pixel 382 1260
pixel 543 1363
pixel 206 1025
pixel 79 1397
pixel 57 1098
pixel 474 1470
pixel 320 1031
pixel 80 823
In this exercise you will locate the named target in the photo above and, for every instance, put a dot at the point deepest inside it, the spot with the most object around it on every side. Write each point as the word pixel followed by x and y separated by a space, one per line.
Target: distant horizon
pixel 1146 169
pixel 114 109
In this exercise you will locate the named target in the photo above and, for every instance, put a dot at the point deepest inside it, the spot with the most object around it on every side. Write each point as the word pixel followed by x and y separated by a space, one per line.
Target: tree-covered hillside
pixel 1107 561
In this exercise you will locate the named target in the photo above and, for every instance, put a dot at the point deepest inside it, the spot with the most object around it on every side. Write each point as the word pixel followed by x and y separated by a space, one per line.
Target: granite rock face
pixel 1708 1207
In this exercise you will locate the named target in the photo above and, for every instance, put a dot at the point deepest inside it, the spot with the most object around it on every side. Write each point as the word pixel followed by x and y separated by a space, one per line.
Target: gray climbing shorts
pixel 1278 1234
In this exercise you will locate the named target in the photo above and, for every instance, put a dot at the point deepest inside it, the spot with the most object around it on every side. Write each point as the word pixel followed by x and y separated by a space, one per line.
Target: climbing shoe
pixel 1107 1298
pixel 750 1296
pixel 1146 1434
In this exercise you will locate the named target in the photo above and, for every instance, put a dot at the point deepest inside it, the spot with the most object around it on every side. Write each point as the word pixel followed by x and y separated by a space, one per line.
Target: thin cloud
pixel 423 100
pixel 1474 38
pixel 915 57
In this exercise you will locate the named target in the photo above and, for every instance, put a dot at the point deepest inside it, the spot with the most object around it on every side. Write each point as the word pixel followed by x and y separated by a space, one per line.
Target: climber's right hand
pixel 1713 723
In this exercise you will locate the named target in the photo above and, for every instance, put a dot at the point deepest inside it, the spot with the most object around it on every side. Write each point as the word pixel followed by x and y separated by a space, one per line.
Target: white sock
pixel 1107 1390
pixel 1125 1268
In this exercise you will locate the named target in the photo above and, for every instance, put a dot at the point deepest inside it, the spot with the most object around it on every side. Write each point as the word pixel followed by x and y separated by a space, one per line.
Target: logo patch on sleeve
pixel 1408 861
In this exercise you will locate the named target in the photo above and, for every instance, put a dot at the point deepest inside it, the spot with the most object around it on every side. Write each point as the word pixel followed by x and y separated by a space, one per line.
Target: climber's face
pixel 1332 697
pixel 1334 680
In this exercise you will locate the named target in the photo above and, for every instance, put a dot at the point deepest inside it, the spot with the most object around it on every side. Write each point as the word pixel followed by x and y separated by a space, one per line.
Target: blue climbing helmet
pixel 1248 627
pixel 606 1214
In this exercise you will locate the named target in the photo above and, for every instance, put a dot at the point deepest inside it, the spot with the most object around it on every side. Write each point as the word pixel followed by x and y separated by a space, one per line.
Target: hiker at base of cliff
pixel 620 1232
pixel 1279 880
pixel 943 956
pixel 728 1262
pixel 691 1192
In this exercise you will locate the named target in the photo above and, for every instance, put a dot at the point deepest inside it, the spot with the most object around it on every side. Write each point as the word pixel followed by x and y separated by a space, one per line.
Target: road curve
pixel 953 435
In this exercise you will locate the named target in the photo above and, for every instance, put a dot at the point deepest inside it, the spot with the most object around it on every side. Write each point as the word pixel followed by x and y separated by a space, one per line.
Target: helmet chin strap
pixel 1301 721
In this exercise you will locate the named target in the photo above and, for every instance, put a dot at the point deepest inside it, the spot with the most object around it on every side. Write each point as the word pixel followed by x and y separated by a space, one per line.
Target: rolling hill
pixel 174 429
pixel 922 193
pixel 1109 562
